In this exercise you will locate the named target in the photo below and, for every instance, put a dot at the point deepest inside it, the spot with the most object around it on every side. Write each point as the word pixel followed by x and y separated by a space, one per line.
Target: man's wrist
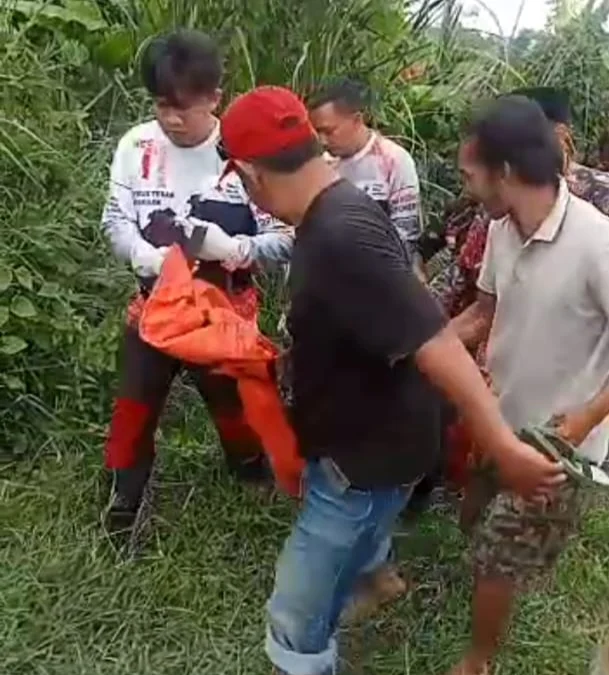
pixel 502 445
pixel 595 412
pixel 245 250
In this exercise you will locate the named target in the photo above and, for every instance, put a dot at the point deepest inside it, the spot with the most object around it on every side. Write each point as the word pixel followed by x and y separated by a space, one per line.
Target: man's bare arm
pixel 445 361
pixel 577 424
pixel 474 324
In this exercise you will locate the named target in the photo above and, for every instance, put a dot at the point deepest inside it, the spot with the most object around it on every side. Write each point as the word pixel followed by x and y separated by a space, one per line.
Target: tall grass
pixel 58 289
pixel 68 88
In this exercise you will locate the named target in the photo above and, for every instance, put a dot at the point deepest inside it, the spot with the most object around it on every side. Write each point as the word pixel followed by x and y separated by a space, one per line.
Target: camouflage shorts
pixel 522 540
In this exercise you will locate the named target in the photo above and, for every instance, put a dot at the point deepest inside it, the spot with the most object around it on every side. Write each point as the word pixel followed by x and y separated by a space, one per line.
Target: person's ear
pixel 359 118
pixel 244 168
pixel 250 175
pixel 215 100
pixel 506 173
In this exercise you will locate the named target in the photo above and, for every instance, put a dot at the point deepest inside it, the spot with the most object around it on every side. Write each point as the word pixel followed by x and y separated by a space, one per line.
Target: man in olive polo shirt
pixel 544 295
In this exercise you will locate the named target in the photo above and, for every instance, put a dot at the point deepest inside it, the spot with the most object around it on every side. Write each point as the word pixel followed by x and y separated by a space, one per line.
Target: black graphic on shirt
pixel 234 217
pixel 162 229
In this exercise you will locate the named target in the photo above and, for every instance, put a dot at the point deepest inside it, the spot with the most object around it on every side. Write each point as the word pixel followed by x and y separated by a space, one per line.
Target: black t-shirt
pixel 358 314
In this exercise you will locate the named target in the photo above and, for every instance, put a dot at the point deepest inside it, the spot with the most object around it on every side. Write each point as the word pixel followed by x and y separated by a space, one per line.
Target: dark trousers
pixel 421 495
pixel 145 380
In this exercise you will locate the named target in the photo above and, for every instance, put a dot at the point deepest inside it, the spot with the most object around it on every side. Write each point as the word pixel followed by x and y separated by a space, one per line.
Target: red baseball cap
pixel 262 123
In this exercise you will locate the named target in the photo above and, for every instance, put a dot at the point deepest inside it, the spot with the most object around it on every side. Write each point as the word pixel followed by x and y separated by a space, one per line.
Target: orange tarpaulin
pixel 463 453
pixel 194 321
pixel 461 450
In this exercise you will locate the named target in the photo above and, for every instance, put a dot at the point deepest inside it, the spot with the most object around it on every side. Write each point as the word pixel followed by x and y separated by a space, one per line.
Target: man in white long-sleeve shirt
pixel 164 190
pixel 375 164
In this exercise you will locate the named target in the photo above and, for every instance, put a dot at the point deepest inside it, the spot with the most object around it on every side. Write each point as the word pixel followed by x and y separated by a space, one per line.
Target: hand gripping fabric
pixel 194 321
pixel 547 440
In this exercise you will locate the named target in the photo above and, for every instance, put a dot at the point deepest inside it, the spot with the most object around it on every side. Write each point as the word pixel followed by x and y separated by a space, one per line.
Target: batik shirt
pixel 445 280
pixel 588 184
pixel 592 185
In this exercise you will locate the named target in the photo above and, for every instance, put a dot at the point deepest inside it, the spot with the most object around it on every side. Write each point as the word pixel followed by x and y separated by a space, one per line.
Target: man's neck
pixel 360 140
pixel 210 128
pixel 533 208
pixel 312 180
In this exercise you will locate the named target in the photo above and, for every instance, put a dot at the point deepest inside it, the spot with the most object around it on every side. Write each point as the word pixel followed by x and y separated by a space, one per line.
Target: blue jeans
pixel 340 533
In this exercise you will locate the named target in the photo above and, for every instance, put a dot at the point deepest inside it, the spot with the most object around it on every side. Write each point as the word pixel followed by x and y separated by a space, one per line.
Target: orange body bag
pixel 195 322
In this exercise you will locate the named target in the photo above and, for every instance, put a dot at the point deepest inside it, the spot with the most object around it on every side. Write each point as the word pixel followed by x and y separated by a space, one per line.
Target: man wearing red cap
pixel 370 353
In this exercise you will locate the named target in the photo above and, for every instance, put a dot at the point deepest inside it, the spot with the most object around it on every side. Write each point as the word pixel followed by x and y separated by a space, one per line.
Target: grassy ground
pixel 194 604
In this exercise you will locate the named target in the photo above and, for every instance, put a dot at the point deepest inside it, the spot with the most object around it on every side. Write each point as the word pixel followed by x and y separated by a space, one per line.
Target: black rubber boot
pixel 128 487
pixel 422 496
pixel 256 471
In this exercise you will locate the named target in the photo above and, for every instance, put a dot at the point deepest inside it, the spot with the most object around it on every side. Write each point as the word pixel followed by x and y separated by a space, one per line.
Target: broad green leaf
pixel 4 315
pixel 11 345
pixel 13 383
pixel 69 267
pixel 115 51
pixel 43 340
pixel 24 277
pixel 6 278
pixel 23 307
pixel 49 289
pixel 83 12
pixel 420 90
pixel 87 10
pixel 74 53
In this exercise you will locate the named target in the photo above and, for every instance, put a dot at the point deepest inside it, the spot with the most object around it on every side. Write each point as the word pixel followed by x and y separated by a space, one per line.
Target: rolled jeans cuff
pixel 293 663
pixel 380 558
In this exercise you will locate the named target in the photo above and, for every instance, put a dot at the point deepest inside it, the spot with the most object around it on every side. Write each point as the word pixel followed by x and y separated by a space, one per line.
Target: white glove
pixel 232 252
pixel 146 260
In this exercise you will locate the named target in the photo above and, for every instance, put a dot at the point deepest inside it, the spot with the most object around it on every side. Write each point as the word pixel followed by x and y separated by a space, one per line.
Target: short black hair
pixel 347 94
pixel 554 102
pixel 513 131
pixel 289 161
pixel 182 63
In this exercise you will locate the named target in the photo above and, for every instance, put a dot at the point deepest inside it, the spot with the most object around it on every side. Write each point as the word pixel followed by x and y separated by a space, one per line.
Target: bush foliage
pixel 69 87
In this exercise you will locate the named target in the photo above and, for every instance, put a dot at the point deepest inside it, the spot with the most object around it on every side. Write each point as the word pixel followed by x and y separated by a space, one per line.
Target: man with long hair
pixel 543 296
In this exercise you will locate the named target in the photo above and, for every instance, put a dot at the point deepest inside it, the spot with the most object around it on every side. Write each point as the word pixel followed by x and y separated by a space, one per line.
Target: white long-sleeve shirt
pixel 154 183
pixel 387 173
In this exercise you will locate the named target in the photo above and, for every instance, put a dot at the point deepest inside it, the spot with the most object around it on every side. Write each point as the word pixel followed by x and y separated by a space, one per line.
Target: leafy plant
pixel 575 56
pixel 69 87
pixel 58 288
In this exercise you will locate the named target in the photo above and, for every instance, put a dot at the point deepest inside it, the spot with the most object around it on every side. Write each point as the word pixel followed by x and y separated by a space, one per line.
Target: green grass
pixel 195 603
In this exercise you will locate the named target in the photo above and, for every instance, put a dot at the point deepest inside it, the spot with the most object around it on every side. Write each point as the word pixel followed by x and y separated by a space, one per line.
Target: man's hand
pixel 574 426
pixel 146 260
pixel 473 325
pixel 243 254
pixel 217 246
pixel 445 361
pixel 527 472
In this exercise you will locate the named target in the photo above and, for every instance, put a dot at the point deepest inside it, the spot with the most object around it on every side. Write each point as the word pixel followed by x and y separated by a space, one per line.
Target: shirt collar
pixel 551 225
pixel 366 149
pixel 212 139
